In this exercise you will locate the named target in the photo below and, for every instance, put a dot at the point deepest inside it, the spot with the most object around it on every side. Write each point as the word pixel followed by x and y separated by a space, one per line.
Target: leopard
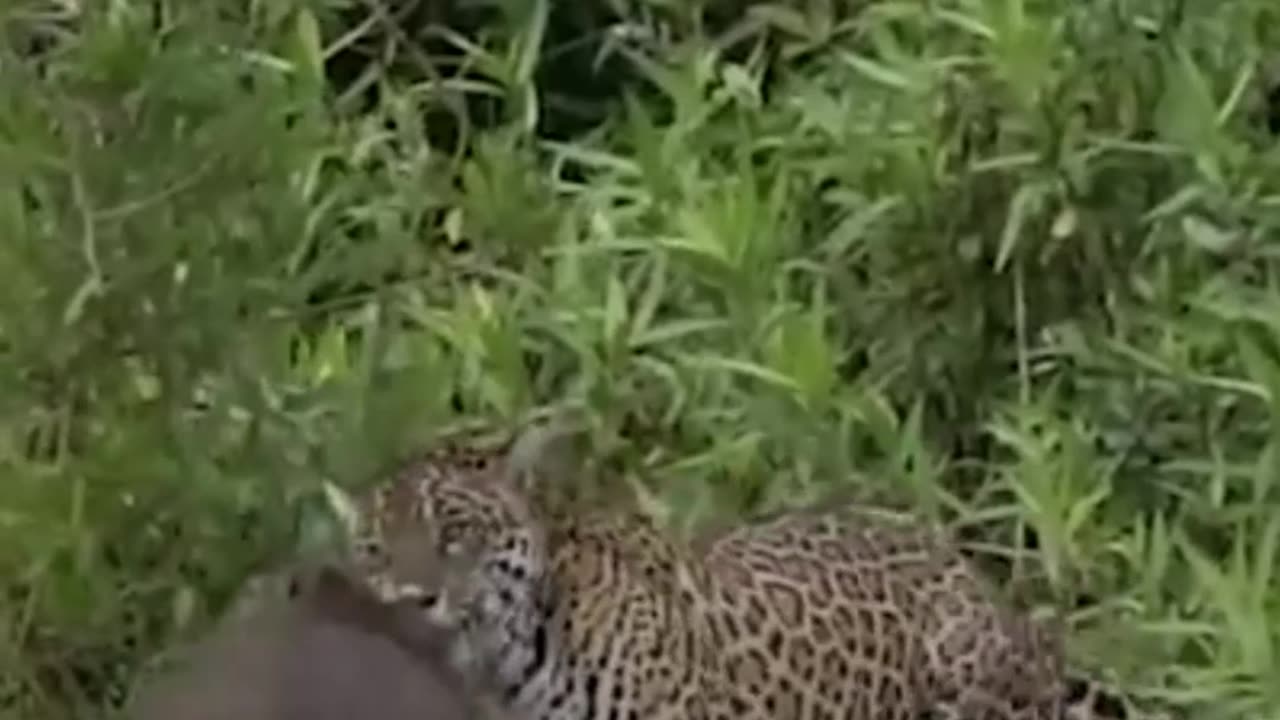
pixel 598 613
pixel 527 593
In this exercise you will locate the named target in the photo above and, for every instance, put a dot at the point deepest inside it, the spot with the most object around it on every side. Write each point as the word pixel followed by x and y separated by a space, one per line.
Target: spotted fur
pixel 801 617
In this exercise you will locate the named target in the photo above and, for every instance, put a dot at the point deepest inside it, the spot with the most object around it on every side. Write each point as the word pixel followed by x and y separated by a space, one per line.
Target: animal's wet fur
pixel 310 646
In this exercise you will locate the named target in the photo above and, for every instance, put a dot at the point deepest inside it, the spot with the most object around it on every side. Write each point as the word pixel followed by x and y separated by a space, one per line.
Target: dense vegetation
pixel 1010 263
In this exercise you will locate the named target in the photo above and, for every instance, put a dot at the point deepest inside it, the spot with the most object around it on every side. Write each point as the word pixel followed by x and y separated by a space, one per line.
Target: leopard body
pixel 804 616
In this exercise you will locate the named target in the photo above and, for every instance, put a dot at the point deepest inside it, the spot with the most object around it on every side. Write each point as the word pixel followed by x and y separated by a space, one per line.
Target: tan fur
pixel 803 616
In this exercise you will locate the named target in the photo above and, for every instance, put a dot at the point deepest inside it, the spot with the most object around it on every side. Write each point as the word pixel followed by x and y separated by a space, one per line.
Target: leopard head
pixel 454 532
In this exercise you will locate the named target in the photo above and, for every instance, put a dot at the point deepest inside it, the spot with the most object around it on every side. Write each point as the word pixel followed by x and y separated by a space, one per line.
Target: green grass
pixel 1010 263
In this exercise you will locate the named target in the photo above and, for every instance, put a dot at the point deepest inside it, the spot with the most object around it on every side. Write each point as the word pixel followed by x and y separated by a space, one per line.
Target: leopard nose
pixel 368 556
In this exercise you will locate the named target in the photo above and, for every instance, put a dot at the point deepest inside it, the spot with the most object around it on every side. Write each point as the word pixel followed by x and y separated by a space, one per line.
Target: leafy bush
pixel 1009 263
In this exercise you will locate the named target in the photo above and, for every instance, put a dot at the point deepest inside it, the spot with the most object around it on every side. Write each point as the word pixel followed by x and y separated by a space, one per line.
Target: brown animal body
pixel 328 652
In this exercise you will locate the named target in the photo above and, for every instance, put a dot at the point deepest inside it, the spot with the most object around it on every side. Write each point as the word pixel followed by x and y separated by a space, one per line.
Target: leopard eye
pixel 450 534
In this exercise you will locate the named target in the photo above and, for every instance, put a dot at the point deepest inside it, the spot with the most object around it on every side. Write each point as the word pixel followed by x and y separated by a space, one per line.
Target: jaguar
pixel 598 613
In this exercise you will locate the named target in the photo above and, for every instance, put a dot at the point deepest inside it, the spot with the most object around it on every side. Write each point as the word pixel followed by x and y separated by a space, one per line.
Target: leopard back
pixel 836 612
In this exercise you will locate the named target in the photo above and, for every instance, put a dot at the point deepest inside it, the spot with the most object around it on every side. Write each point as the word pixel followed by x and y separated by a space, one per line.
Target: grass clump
pixel 1009 263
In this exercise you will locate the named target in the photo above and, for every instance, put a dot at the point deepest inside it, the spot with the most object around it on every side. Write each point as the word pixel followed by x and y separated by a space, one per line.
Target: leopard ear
pixel 543 452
